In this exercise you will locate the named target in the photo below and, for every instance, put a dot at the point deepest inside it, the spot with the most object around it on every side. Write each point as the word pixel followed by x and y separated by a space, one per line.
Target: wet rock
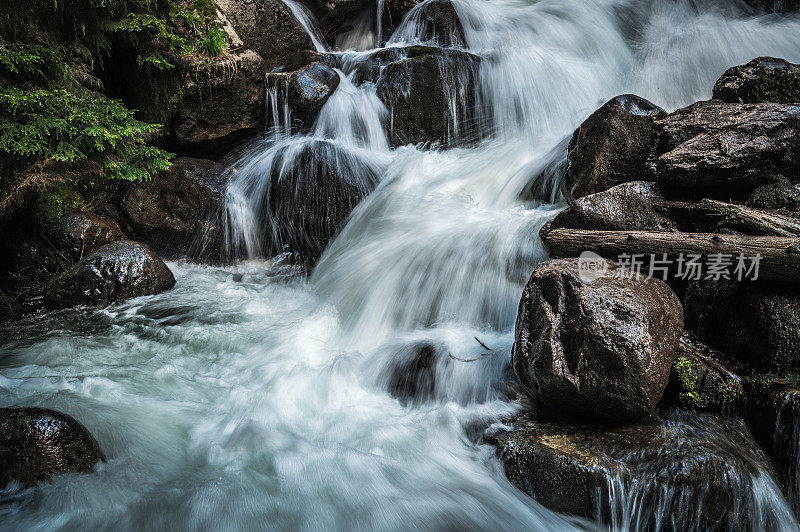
pixel 776 6
pixel 712 144
pixel 757 324
pixel 435 22
pixel 116 271
pixel 773 415
pixel 699 380
pixel 177 212
pixel 223 102
pixel 9 309
pixel 624 207
pixel 764 79
pixel 432 96
pixel 780 194
pixel 313 188
pixel 695 472
pixel 36 444
pixel 268 27
pixel 305 90
pixel 77 233
pixel 611 146
pixel 597 346
pixel 413 376
pixel 332 14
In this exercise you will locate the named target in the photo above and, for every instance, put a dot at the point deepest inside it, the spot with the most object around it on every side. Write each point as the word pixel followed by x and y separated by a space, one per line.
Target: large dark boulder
pixel 432 96
pixel 268 27
pixel 710 145
pixel 755 323
pixel 304 90
pixel 598 345
pixel 435 22
pixel 178 212
pixel 36 444
pixel 687 472
pixel 779 194
pixel 77 234
pixel 313 187
pixel 624 207
pixel 764 79
pixel 114 272
pixel 611 146
pixel 222 103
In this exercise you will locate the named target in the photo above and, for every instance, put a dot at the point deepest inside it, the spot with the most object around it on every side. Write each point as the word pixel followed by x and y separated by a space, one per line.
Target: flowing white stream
pixel 252 398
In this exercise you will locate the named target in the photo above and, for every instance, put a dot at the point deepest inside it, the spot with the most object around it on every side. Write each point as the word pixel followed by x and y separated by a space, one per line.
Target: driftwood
pixel 780 256
pixel 754 220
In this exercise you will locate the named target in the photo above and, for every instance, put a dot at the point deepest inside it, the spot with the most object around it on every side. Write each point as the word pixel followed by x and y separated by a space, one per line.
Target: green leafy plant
pixel 214 43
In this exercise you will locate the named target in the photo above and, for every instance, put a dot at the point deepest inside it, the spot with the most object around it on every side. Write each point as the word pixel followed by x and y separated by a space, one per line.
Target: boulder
pixel 694 472
pixel 611 146
pixel 412 377
pixel 304 90
pixel 700 381
pixel 177 212
pixel 36 444
pixel 711 145
pixel 114 272
pixel 432 21
pixel 223 102
pixel 764 79
pixel 595 345
pixel 77 233
pixel 313 188
pixel 757 324
pixel 332 14
pixel 780 194
pixel 268 27
pixel 624 207
pixel 432 96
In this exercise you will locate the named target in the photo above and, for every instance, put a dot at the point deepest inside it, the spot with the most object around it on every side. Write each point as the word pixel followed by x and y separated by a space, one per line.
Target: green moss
pixel 728 393
pixel 214 43
pixel 687 381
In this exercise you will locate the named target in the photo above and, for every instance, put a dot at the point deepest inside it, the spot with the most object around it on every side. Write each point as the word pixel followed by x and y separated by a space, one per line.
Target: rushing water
pixel 253 397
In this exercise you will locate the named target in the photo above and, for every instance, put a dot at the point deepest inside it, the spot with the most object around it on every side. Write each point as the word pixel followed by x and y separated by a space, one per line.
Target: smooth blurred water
pixel 252 397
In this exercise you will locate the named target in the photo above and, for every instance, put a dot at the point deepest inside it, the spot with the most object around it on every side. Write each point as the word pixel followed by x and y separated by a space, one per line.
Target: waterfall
pixel 253 395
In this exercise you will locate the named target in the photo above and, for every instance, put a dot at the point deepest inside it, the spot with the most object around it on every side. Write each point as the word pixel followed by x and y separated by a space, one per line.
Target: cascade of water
pixel 308 22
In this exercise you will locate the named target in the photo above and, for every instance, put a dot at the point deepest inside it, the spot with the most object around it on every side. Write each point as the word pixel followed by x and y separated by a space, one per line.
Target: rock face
pixel 755 323
pixel 77 234
pixel 611 146
pixel 332 14
pixel 177 212
pixel 313 188
pixel 716 144
pixel 694 472
pixel 223 102
pixel 596 348
pixel 699 381
pixel 423 89
pixel 625 207
pixel 764 79
pixel 116 271
pixel 36 444
pixel 268 27
pixel 436 22
pixel 780 194
pixel 305 90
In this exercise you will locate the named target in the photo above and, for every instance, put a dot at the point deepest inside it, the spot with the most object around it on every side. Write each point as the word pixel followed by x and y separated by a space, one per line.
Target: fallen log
pixel 779 256
pixel 754 220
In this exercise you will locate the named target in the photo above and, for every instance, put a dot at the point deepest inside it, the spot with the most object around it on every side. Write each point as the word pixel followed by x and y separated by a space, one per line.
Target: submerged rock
pixel 116 271
pixel 611 146
pixel 432 96
pixel 177 212
pixel 223 102
pixel 413 376
pixel 36 444
pixel 764 79
pixel 714 144
pixel 305 90
pixel 77 234
pixel 624 207
pixel 757 324
pixel 694 472
pixel 596 346
pixel 268 27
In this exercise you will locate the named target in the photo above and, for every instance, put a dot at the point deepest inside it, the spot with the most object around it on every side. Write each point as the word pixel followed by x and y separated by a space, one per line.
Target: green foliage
pixel 214 43
pixel 50 205
pixel 687 380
